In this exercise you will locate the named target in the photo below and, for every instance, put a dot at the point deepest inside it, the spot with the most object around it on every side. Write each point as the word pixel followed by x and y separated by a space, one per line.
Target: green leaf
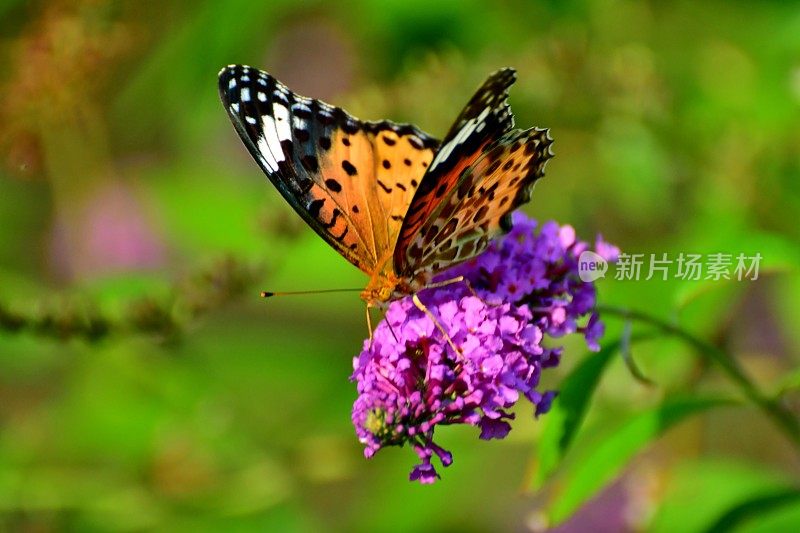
pixel 698 493
pixel 606 458
pixel 790 382
pixel 755 508
pixel 782 518
pixel 568 411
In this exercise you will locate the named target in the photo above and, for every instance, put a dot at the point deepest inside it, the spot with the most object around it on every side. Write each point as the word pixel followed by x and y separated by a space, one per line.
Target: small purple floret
pixel 528 290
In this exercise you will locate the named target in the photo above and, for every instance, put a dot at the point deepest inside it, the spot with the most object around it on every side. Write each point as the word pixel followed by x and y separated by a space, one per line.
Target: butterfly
pixel 397 203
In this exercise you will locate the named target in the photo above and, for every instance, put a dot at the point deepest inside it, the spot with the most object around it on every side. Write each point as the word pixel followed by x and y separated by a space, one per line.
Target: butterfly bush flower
pixel 527 293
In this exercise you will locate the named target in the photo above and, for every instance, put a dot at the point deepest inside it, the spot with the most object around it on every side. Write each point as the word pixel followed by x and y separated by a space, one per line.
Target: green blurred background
pixel 143 383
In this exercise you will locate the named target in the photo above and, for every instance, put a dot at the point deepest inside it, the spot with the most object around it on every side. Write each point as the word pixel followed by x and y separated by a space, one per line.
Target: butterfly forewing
pixel 480 206
pixel 350 180
pixel 489 105
pixel 479 132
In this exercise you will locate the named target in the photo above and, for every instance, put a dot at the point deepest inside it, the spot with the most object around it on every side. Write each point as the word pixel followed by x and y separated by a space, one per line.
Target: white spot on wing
pixel 281 122
pixel 262 97
pixel 266 156
pixel 245 94
pixel 269 144
pixel 231 83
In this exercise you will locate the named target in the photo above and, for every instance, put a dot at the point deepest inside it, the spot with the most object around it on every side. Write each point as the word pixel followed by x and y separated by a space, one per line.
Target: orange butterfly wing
pixel 482 172
pixel 350 180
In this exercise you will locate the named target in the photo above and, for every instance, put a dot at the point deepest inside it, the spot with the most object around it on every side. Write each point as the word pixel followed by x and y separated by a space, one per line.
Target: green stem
pixel 783 418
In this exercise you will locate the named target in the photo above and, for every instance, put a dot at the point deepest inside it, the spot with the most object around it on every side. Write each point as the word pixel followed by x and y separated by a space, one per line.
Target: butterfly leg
pixel 369 325
pixel 476 295
pixel 459 279
pixel 421 307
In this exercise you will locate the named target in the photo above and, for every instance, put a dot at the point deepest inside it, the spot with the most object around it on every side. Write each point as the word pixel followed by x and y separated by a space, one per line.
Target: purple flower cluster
pixel 410 379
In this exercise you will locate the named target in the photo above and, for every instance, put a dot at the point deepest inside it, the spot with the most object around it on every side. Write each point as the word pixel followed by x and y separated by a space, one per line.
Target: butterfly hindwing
pixel 350 180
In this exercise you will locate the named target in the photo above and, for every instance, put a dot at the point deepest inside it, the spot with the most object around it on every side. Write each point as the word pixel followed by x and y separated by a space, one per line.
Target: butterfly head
pixel 385 287
pixel 381 290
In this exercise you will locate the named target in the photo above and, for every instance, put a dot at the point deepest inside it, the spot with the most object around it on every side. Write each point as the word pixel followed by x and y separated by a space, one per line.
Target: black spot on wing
pixel 310 163
pixel 333 185
pixel 415 142
pixel 315 207
pixel 348 167
pixel 480 213
pixel 287 146
pixel 302 112
pixel 350 126
pixel 302 135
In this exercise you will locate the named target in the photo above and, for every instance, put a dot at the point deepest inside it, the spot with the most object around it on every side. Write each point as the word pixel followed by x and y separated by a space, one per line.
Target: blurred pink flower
pixel 111 234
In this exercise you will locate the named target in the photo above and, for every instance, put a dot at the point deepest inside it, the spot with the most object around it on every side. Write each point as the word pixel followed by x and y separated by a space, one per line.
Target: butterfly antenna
pixel 270 294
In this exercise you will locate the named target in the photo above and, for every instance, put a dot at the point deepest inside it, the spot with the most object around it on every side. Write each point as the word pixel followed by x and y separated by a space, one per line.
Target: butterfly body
pixel 386 285
pixel 394 201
